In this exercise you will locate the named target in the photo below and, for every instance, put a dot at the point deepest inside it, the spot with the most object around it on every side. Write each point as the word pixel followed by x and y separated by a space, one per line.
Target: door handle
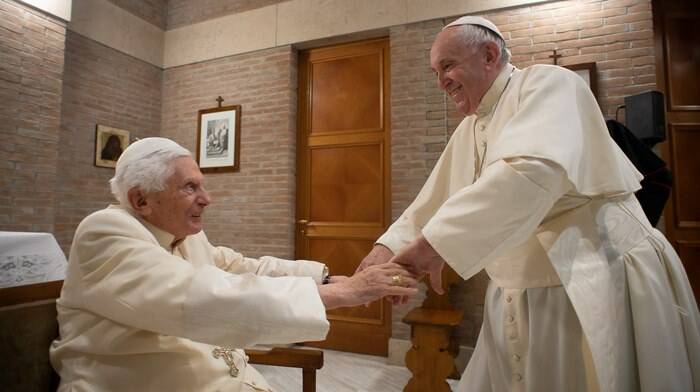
pixel 303 223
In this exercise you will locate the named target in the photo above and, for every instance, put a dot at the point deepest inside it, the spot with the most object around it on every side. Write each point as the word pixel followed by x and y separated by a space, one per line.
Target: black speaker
pixel 645 116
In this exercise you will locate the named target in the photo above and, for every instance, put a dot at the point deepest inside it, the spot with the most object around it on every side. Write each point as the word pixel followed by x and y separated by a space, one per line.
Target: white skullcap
pixel 478 21
pixel 145 147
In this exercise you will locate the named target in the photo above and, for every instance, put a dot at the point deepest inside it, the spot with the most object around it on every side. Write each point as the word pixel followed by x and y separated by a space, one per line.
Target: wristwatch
pixel 325 275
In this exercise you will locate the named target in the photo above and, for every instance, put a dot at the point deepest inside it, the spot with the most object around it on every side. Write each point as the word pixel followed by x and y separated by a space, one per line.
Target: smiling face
pixel 465 73
pixel 178 208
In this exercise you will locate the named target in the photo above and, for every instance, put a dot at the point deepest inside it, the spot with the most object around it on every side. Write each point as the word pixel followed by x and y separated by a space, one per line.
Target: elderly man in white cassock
pixel 584 294
pixel 148 304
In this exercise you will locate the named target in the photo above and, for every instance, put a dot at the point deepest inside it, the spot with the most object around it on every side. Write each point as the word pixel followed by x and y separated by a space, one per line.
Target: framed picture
pixel 219 139
pixel 588 72
pixel 109 144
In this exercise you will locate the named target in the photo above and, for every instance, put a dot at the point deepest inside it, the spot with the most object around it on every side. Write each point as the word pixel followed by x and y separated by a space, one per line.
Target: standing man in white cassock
pixel 584 294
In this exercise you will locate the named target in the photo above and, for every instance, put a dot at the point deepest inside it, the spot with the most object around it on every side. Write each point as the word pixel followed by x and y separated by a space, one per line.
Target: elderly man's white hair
pixel 475 31
pixel 145 164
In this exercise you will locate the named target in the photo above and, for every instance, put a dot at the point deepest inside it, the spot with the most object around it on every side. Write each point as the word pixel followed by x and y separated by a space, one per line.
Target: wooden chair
pixel 308 360
pixel 28 325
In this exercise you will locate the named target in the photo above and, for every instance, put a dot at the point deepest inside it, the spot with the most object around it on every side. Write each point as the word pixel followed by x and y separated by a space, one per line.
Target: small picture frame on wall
pixel 219 139
pixel 109 145
pixel 587 71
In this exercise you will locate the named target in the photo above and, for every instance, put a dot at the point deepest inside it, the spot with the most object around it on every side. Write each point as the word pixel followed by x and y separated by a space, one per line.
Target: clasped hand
pixel 381 270
pixel 419 257
pixel 370 284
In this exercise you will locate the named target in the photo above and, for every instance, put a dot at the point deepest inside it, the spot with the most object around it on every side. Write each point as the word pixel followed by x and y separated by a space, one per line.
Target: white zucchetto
pixel 478 21
pixel 145 147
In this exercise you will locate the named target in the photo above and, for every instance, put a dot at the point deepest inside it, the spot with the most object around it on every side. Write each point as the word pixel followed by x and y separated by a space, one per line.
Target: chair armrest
pixel 288 357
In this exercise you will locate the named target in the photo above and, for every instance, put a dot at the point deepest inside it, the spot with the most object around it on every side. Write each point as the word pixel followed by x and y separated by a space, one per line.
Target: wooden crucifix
pixel 555 56
pixel 219 99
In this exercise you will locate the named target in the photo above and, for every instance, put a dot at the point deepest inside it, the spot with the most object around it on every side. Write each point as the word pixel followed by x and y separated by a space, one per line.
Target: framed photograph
pixel 109 144
pixel 219 139
pixel 588 72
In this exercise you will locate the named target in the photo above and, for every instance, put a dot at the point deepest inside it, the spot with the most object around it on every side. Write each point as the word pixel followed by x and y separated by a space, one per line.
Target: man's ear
pixel 138 202
pixel 492 53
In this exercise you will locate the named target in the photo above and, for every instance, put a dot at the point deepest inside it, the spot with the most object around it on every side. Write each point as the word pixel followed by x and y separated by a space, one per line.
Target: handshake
pixel 383 274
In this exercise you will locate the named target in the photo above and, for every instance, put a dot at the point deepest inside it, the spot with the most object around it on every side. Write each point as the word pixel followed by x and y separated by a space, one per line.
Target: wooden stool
pixel 430 360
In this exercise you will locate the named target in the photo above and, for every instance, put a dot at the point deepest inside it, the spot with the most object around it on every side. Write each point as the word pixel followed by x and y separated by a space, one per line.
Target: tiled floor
pixel 344 372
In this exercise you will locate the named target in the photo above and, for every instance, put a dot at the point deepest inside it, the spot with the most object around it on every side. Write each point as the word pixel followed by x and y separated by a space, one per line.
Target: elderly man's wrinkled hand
pixel 420 257
pixel 379 254
pixel 368 285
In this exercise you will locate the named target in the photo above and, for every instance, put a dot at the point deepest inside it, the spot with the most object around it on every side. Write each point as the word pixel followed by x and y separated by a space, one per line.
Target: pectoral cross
pixel 555 56
pixel 219 99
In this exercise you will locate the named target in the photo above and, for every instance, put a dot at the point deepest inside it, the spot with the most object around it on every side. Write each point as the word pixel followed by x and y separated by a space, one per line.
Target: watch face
pixel 325 277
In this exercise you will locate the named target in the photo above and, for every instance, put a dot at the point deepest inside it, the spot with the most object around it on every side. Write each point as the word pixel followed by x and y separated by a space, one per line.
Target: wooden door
pixel 343 182
pixel 677 48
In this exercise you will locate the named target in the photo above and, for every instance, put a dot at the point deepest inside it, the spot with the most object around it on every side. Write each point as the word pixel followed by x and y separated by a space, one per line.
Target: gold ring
pixel 396 280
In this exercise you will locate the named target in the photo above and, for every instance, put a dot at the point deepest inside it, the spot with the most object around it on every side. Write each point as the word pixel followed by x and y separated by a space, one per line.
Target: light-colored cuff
pixel 391 241
pixel 400 233
pixel 313 269
pixel 274 266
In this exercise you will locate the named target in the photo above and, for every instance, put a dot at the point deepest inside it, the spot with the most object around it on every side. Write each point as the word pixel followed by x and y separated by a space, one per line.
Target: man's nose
pixel 204 198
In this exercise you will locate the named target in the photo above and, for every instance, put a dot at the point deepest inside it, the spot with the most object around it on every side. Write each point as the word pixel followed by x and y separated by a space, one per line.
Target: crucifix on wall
pixel 555 56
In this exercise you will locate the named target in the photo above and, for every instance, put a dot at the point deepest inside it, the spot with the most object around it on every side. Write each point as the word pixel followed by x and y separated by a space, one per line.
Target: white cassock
pixel 136 314
pixel 584 294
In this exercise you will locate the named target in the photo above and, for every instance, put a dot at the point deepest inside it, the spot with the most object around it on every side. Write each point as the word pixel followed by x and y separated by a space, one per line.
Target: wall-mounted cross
pixel 555 56
pixel 219 99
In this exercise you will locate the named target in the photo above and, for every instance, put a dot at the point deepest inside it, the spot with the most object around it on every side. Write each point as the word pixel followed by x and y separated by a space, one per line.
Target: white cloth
pixel 138 314
pixel 532 189
pixel 27 258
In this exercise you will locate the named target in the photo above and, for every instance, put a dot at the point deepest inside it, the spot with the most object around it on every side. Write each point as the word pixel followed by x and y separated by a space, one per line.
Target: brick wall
pixel 616 34
pixel 100 86
pixel 185 12
pixel 31 65
pixel 253 210
pixel 152 11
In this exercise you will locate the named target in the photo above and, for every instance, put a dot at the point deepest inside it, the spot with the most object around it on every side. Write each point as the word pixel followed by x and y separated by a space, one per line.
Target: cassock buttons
pixel 518 377
pixel 483 143
pixel 509 299
pixel 482 127
pixel 511 319
pixel 516 357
